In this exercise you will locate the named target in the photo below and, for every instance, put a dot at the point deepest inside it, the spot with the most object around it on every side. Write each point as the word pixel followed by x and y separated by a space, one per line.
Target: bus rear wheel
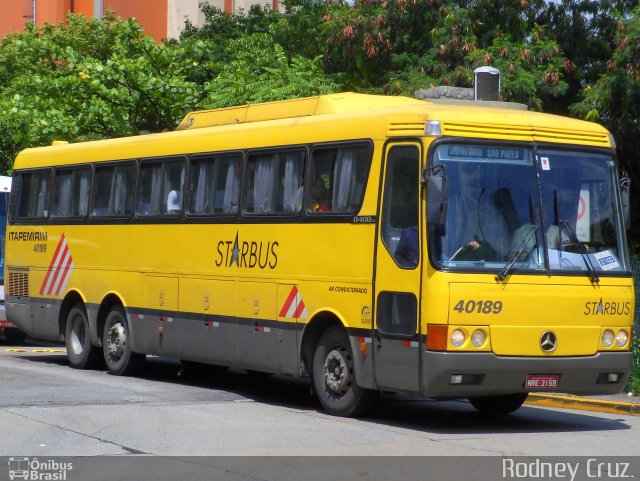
pixel 334 378
pixel 80 352
pixel 498 405
pixel 116 345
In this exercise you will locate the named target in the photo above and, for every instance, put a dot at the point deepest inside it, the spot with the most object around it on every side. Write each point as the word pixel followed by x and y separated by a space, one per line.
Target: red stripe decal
pixel 287 303
pixel 53 260
pixel 56 273
pixel 299 310
pixel 65 274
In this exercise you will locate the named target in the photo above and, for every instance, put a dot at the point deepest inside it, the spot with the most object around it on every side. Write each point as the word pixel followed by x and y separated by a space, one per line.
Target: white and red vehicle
pixel 12 333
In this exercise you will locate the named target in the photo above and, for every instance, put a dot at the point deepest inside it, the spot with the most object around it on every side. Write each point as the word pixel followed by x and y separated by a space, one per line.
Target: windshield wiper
pixel 585 257
pixel 515 254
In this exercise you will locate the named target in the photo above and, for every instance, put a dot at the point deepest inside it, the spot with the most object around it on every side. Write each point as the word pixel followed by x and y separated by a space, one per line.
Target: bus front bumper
pixel 485 374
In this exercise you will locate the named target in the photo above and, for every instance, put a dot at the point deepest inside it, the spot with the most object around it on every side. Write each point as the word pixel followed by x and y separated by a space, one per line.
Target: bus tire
pixel 116 346
pixel 334 377
pixel 14 335
pixel 499 405
pixel 80 352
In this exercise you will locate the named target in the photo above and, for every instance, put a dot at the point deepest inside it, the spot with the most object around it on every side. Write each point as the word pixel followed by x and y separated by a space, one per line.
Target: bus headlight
pixel 622 338
pixel 478 337
pixel 457 338
pixel 607 338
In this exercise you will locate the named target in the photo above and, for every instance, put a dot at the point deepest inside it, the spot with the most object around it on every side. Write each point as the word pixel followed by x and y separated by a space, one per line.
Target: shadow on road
pixel 442 417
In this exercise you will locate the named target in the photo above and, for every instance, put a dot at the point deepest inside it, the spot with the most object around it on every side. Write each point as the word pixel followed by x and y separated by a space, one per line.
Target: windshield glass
pixel 494 210
pixel 581 217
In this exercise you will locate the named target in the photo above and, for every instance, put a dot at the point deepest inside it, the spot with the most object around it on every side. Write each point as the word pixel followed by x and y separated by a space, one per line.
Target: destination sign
pixel 484 153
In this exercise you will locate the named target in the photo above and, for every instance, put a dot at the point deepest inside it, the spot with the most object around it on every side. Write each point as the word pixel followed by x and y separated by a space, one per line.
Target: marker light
pixel 622 338
pixel 457 338
pixel 607 338
pixel 433 128
pixel 478 337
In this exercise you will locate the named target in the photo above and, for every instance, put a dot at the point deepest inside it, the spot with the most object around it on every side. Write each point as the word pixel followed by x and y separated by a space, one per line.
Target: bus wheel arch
pixel 318 324
pixel 334 376
pixel 117 345
pixel 70 299
pixel 82 351
pixel 110 301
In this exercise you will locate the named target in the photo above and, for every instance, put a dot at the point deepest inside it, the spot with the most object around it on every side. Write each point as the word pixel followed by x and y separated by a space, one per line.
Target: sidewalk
pixel 616 404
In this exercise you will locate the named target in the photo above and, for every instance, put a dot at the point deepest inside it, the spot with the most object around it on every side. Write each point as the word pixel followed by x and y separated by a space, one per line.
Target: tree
pixel 91 79
pixel 614 100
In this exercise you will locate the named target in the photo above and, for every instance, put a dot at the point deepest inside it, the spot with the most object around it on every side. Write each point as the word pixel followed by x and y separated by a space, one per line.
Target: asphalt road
pixel 48 408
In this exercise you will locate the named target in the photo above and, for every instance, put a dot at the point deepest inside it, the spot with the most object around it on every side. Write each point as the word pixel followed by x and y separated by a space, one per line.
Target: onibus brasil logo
pixel 34 469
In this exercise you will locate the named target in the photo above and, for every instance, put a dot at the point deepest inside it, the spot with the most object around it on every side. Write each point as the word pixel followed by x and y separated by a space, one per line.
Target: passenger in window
pixel 407 253
pixel 174 202
pixel 320 197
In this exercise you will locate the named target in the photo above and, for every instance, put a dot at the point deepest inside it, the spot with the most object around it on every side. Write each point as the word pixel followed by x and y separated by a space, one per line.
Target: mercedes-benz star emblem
pixel 548 341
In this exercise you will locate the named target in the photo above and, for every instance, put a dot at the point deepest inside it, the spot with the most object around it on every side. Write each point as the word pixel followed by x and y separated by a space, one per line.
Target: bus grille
pixel 18 284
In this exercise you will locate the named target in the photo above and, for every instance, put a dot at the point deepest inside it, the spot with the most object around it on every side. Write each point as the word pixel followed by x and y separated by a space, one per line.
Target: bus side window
pixel 113 190
pixel 397 313
pixel 71 193
pixel 400 206
pixel 260 186
pixel 124 186
pixel 338 178
pixel 161 187
pixel 102 191
pixel 215 185
pixel 173 187
pixel 290 182
pixel 30 198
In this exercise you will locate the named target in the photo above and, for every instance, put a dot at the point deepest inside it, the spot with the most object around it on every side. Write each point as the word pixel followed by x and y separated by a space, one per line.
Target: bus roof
pixel 334 117
pixel 286 109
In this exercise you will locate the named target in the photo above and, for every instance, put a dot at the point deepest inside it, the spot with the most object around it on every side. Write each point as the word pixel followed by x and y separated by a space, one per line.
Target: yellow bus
pixel 368 243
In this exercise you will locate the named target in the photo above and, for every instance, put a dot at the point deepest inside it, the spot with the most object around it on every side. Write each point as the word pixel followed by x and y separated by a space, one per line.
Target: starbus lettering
pixel 598 308
pixel 246 254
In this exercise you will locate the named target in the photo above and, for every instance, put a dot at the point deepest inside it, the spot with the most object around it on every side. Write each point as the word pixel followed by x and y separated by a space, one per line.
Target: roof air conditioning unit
pixel 487 83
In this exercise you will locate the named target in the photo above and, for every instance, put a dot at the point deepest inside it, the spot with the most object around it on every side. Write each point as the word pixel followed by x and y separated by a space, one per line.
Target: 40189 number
pixel 478 307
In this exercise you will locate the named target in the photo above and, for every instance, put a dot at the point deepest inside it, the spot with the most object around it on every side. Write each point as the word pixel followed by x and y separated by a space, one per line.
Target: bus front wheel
pixel 497 405
pixel 116 345
pixel 334 378
pixel 80 352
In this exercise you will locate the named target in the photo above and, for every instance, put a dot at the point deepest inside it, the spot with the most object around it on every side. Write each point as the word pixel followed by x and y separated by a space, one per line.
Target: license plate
pixel 542 381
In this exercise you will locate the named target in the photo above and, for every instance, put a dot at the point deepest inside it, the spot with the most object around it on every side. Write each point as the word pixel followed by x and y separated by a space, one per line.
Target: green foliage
pixel 614 100
pixel 633 385
pixel 261 72
pixel 89 79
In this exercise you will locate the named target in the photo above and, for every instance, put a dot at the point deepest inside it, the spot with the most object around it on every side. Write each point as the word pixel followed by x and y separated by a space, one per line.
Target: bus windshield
pixel 498 213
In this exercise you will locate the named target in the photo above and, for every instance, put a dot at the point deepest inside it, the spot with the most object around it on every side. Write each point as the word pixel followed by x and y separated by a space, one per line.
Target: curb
pixel 584 404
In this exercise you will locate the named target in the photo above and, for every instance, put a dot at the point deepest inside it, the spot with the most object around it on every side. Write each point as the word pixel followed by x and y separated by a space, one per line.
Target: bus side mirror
pixel 625 187
pixel 436 200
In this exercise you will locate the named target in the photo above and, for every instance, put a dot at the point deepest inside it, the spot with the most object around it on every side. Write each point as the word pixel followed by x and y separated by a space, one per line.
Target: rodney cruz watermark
pixel 35 470
pixel 591 467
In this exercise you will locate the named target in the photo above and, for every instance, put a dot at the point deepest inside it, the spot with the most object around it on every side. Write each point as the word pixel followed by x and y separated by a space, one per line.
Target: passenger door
pixel 398 268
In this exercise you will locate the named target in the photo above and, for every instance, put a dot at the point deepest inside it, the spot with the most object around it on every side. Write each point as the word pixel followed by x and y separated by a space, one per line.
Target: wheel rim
pixel 77 335
pixel 116 341
pixel 336 372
